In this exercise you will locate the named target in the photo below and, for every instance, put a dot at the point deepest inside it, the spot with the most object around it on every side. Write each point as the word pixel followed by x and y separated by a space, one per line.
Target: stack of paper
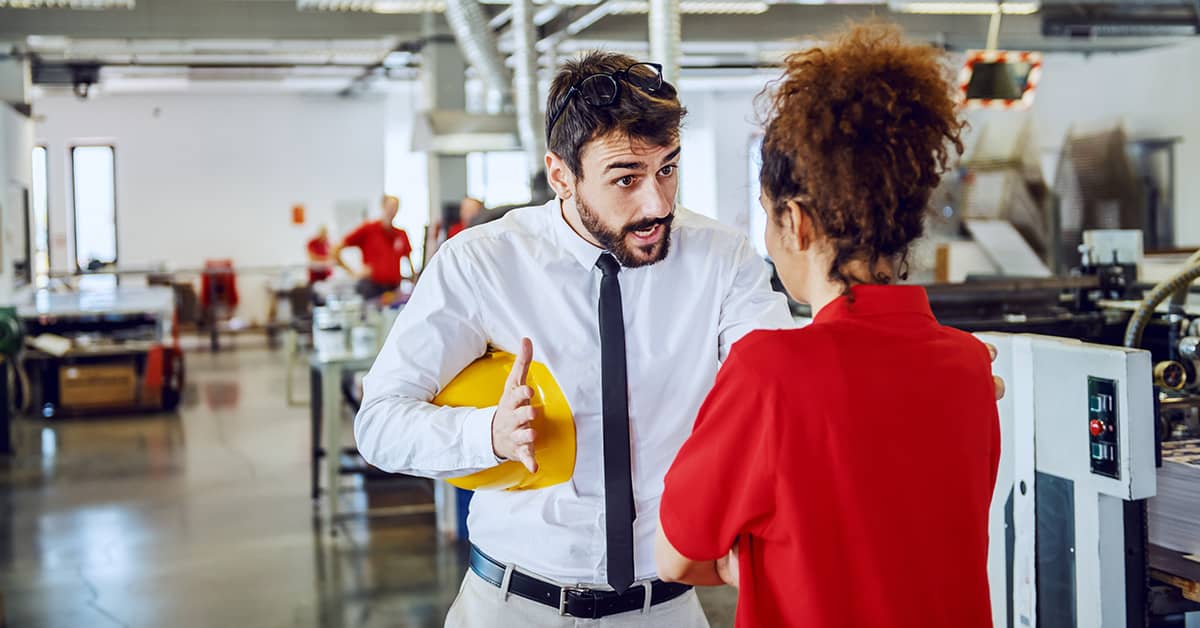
pixel 1175 513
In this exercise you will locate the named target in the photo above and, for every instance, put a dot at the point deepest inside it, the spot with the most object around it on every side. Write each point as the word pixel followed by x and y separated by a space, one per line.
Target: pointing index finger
pixel 520 368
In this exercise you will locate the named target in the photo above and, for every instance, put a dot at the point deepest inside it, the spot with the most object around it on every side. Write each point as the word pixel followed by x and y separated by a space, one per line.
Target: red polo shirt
pixel 319 271
pixel 382 249
pixel 852 461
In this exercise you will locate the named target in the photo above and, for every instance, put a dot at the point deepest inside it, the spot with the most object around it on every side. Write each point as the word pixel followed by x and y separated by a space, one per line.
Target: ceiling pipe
pixel 478 44
pixel 525 86
pixel 665 37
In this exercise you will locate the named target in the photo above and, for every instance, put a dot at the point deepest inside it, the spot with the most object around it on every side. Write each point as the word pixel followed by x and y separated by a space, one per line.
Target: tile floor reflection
pixel 203 518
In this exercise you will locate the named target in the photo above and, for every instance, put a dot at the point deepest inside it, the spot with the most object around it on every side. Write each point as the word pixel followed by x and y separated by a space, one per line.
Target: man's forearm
pixel 406 435
pixel 337 259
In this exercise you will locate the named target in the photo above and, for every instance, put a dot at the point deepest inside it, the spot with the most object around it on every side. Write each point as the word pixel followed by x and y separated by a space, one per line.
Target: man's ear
pixel 559 175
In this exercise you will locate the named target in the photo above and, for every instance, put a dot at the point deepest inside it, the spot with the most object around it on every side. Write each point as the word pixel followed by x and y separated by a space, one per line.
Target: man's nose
pixel 657 201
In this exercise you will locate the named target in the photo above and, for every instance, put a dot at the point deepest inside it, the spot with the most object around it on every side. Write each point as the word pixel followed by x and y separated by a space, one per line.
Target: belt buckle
pixel 583 592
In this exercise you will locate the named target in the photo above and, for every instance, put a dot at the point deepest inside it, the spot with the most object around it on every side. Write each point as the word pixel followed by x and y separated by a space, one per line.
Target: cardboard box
pixel 107 385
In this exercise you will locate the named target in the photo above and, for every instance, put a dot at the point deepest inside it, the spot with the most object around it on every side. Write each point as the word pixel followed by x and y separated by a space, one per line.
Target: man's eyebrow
pixel 626 165
pixel 673 155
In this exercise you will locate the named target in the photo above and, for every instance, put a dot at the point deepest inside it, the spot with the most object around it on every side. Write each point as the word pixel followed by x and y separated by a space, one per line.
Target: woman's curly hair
pixel 859 133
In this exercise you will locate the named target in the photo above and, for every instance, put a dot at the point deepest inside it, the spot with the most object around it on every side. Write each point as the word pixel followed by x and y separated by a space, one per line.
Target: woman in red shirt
pixel 319 266
pixel 850 464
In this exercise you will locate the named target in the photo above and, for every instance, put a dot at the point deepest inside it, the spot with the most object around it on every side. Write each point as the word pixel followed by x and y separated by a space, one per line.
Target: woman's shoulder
pixel 768 347
pixel 968 344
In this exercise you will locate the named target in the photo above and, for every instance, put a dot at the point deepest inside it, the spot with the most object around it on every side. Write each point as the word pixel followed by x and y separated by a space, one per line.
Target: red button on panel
pixel 1096 427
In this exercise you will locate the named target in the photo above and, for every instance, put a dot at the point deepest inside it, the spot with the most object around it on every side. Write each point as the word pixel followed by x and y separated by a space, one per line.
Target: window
pixel 93 170
pixel 41 217
pixel 758 217
pixel 498 178
pixel 698 174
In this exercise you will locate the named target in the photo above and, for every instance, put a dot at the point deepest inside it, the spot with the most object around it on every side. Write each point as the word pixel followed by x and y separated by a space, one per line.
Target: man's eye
pixel 626 181
pixel 668 170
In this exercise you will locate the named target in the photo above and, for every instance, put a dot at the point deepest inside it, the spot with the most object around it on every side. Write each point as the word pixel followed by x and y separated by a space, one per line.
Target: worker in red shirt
pixel 841 474
pixel 383 246
pixel 319 267
pixel 468 210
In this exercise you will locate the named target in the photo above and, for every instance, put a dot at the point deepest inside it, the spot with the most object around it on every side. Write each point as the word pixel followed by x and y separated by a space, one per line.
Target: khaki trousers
pixel 481 605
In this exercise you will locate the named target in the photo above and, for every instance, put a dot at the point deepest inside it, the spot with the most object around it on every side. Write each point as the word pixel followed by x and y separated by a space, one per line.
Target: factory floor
pixel 203 518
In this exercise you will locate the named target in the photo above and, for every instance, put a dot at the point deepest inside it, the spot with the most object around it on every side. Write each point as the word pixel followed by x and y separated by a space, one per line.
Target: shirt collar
pixel 877 300
pixel 583 251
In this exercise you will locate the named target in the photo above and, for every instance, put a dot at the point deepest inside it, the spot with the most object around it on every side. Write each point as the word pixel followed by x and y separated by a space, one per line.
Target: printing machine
pixel 1100 371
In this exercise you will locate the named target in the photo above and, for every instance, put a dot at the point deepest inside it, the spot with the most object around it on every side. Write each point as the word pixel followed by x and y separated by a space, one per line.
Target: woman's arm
pixel 675 567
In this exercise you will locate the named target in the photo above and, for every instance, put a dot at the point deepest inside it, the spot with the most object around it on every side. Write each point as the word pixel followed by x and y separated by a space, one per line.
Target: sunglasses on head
pixel 602 88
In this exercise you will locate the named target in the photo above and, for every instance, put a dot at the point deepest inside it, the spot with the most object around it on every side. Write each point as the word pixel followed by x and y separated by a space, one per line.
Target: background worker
pixel 384 246
pixel 468 210
pixel 319 258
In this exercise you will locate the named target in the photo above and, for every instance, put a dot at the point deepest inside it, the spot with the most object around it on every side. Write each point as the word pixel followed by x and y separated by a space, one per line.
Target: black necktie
pixel 618 481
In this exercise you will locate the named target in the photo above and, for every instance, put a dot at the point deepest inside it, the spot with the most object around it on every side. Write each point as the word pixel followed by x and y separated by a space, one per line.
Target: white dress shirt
pixel 530 275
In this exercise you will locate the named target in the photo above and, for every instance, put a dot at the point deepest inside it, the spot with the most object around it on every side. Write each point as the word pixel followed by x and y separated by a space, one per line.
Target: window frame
pixel 32 224
pixel 75 207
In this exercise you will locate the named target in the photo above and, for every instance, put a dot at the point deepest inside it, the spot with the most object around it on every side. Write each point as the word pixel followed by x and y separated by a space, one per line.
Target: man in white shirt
pixel 630 302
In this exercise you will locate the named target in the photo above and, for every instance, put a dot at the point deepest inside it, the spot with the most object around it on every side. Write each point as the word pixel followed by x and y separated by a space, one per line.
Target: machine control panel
pixel 1102 427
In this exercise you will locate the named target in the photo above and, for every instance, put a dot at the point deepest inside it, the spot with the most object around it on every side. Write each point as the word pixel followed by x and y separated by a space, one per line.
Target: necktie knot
pixel 608 264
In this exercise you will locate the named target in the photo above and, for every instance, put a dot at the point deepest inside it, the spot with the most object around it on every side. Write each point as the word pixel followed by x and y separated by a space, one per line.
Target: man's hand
pixel 512 431
pixel 999 382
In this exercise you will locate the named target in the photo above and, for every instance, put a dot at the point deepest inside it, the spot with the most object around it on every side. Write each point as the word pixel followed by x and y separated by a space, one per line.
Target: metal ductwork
pixel 475 39
pixel 665 37
pixel 525 86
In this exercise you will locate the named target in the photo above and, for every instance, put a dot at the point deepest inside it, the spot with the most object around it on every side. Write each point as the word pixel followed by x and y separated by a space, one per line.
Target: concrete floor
pixel 203 518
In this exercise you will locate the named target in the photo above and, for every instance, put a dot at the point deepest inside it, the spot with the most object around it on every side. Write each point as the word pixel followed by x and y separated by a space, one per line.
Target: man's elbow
pixel 366 441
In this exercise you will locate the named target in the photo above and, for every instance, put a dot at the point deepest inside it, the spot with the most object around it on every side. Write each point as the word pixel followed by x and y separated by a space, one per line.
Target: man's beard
pixel 616 241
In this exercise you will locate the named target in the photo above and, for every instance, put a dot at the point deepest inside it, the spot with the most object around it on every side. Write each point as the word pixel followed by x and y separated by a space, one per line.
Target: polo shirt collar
pixel 875 300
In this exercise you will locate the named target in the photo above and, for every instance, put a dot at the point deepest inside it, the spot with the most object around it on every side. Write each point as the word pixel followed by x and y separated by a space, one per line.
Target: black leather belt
pixel 576 602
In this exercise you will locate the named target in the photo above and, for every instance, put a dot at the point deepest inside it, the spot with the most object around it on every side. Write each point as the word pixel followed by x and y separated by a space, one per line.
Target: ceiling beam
pixel 208 19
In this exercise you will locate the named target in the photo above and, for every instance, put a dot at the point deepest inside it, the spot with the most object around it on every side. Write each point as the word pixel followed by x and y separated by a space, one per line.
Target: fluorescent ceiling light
pixel 965 8
pixel 705 7
pixel 373 6
pixel 697 7
pixel 67 4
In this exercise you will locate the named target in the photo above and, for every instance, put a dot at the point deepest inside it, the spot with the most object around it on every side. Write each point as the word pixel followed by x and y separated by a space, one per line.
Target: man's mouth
pixel 650 232
pixel 649 235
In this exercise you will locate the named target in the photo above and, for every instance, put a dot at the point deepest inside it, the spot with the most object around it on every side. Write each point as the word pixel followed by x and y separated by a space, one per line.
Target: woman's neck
pixel 858 272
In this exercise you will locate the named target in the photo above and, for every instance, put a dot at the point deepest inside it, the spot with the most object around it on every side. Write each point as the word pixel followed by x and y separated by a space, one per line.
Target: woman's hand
pixel 727 567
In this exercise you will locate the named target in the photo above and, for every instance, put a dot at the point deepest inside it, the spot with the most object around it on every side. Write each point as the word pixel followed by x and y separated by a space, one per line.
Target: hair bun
pixel 863 128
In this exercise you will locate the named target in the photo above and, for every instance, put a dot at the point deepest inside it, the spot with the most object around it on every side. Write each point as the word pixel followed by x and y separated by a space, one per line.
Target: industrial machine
pixel 1077 455
pixel 1102 371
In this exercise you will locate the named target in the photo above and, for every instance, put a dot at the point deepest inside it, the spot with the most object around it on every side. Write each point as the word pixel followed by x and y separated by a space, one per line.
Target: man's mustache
pixel 648 224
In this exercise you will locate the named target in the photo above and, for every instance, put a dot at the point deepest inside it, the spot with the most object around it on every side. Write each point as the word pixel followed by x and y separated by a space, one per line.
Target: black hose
pixel 1175 285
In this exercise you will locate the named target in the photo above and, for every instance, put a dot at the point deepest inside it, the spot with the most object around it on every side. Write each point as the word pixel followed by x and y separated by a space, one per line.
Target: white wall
pixel 202 176
pixel 1155 93
pixel 716 178
pixel 404 170
pixel 16 134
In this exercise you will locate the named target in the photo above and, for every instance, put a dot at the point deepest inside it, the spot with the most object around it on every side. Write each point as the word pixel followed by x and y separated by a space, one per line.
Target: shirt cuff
pixel 477 437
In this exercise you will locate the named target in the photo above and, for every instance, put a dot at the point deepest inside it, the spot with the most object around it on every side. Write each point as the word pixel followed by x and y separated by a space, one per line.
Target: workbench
pixel 130 329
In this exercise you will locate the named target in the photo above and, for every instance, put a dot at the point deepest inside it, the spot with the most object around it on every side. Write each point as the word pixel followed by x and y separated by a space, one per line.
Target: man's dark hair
pixel 654 119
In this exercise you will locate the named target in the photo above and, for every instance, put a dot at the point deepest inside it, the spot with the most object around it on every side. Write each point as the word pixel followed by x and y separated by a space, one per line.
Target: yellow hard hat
pixel 480 385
